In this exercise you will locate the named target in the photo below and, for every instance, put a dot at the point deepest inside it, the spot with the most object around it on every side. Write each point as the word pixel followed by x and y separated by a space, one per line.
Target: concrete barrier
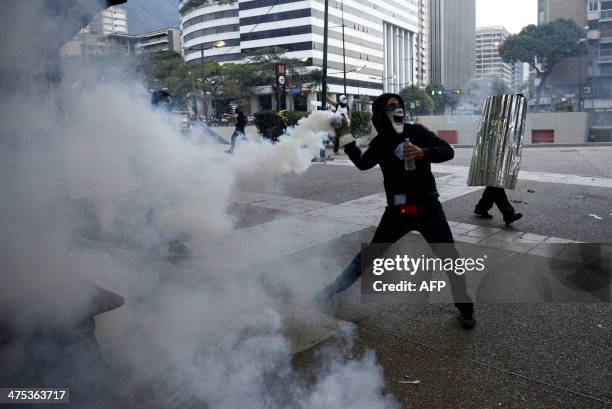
pixel 551 128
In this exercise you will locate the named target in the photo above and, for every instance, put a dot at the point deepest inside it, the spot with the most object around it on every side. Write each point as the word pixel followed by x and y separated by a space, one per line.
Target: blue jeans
pixel 235 136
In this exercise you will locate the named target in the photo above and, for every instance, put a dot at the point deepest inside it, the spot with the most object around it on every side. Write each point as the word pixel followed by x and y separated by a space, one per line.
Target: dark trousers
pixel 336 141
pixel 433 226
pixel 233 139
pixel 495 195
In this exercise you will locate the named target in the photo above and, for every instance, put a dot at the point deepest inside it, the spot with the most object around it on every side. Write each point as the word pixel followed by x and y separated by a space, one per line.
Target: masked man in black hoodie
pixel 412 197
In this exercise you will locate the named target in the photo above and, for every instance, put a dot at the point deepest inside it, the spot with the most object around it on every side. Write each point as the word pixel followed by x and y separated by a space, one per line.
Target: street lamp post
pixel 324 70
pixel 382 79
pixel 194 101
pixel 343 47
pixel 580 85
pixel 345 72
pixel 218 44
pixel 582 53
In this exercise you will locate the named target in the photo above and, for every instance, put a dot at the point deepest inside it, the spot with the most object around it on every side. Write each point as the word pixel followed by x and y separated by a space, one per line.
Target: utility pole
pixel 324 74
pixel 343 47
pixel 203 78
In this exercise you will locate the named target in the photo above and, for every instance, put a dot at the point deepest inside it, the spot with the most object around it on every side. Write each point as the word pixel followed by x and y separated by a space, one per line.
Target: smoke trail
pixel 92 180
pixel 293 152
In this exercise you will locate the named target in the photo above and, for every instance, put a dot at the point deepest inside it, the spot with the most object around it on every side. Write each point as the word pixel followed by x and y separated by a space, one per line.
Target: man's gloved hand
pixel 343 130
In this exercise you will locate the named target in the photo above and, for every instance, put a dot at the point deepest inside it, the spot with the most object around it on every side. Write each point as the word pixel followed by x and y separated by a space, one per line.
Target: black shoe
pixel 466 320
pixel 512 218
pixel 483 214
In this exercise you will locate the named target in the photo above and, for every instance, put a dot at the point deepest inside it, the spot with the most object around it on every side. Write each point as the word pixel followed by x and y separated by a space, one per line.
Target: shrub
pixel 294 116
pixel 361 124
pixel 271 124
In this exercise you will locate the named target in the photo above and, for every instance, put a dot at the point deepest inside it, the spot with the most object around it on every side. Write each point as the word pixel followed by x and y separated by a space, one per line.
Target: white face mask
pixel 397 120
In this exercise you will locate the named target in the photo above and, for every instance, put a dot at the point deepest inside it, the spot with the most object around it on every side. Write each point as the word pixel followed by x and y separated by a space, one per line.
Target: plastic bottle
pixel 409 164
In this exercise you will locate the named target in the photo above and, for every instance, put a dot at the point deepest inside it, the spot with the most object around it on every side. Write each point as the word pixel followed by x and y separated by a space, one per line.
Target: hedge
pixel 272 124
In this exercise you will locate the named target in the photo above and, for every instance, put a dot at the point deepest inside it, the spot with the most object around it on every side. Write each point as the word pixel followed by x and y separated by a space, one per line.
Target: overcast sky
pixel 512 14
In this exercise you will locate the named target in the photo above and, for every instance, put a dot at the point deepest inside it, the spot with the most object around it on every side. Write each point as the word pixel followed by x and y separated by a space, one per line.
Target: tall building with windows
pixel 551 10
pixel 383 45
pixel 113 20
pixel 489 63
pixel 597 91
pixel 98 36
pixel 520 71
pixel 452 33
pixel 585 79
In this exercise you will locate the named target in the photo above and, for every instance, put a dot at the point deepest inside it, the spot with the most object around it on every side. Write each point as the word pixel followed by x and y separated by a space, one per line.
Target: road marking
pixel 525 175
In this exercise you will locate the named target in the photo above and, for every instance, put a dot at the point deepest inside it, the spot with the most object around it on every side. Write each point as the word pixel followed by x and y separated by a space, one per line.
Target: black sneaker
pixel 466 320
pixel 512 218
pixel 483 214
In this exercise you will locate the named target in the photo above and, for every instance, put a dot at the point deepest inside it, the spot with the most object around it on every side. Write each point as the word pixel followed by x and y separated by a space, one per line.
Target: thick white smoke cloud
pixel 93 180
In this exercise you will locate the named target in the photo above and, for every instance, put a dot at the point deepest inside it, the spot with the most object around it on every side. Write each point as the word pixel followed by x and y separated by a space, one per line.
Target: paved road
pixel 521 355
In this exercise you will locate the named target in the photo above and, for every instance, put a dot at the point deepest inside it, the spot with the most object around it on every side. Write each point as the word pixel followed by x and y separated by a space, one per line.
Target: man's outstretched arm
pixel 363 160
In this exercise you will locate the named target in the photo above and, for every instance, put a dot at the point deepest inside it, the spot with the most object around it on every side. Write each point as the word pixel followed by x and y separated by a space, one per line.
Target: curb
pixel 552 145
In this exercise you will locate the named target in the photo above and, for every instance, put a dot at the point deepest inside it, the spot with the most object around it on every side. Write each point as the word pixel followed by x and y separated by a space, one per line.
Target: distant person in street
pixel 341 107
pixel 162 99
pixel 497 153
pixel 496 195
pixel 412 196
pixel 236 114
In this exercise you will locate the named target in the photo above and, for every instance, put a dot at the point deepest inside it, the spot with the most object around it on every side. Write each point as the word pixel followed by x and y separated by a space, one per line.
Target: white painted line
pixel 545 177
pixel 535 176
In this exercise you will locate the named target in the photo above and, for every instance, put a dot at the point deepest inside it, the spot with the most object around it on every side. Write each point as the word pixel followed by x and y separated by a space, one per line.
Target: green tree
pixel 417 100
pixel 543 47
pixel 361 124
pixel 443 99
pixel 166 69
pixel 564 105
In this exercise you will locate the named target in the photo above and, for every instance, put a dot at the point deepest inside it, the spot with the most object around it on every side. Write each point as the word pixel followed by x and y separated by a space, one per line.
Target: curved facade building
pixel 381 48
pixel 205 26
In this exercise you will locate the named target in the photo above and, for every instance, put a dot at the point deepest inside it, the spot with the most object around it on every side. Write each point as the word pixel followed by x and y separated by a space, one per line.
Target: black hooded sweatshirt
pixel 418 185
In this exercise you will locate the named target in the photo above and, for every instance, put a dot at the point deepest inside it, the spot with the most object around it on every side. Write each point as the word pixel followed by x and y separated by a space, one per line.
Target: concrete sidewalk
pixel 520 355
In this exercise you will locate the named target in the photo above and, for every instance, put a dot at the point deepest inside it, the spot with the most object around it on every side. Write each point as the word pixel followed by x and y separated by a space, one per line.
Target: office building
pixel 385 44
pixel 551 10
pixel 520 73
pixel 86 44
pixel 113 20
pixel 452 33
pixel 489 64
pixel 596 94
pixel 166 39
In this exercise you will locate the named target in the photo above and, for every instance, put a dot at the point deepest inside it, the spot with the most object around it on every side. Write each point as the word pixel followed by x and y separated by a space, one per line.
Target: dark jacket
pixel 240 120
pixel 419 185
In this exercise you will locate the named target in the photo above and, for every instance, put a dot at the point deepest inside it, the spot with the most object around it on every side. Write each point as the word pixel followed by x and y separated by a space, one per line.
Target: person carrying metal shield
pixel 497 154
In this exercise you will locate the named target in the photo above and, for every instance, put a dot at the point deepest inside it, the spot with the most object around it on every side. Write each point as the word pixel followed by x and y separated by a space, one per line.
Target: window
pixel 212 30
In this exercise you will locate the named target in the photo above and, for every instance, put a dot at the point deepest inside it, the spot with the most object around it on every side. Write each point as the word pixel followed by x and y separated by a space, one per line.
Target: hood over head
pixel 379 115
